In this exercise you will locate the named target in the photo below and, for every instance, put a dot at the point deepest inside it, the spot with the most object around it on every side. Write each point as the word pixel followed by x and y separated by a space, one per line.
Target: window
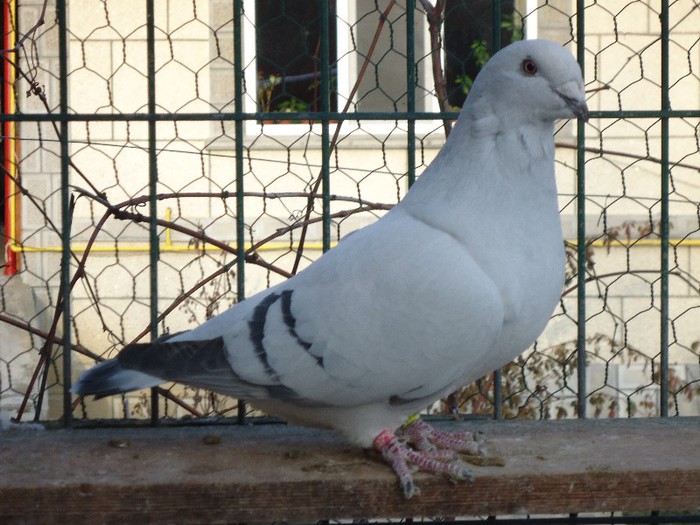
pixel 468 35
pixel 282 53
pixel 288 55
pixel 280 49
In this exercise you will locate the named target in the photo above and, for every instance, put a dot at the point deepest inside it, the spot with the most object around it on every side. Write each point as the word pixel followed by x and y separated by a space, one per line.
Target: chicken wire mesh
pixel 193 153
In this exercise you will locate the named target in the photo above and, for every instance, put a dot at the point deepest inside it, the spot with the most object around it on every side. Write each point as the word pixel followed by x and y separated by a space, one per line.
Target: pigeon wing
pixel 399 310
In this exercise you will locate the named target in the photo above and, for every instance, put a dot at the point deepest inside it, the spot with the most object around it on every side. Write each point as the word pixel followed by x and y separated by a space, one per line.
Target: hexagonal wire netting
pixel 188 159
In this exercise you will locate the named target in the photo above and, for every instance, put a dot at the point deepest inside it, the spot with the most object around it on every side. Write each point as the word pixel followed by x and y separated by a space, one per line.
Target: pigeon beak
pixel 579 108
pixel 574 97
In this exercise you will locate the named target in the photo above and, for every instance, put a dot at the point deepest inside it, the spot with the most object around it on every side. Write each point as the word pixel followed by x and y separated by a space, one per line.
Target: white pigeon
pixel 455 281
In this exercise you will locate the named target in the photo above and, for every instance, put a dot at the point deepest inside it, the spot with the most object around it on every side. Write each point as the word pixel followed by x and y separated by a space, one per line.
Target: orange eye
pixel 529 67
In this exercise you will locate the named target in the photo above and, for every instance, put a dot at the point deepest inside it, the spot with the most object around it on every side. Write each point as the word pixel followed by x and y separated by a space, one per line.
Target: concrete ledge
pixel 271 473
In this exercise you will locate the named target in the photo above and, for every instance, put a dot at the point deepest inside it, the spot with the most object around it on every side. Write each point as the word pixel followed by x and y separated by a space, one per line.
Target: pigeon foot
pixel 424 437
pixel 435 460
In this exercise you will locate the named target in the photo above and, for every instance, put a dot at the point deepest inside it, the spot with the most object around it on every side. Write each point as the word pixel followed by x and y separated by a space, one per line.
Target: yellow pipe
pixel 641 242
pixel 11 190
pixel 169 247
pixel 168 231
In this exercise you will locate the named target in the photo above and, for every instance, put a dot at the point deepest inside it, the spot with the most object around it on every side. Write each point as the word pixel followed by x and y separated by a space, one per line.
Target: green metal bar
pixel 496 26
pixel 152 187
pixel 665 187
pixel 581 227
pixel 65 291
pixel 411 90
pixel 239 172
pixel 325 126
pixel 496 46
pixel 305 117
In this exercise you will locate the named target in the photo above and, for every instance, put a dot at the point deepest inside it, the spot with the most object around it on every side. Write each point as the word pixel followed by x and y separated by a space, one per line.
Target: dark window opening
pixel 469 41
pixel 288 50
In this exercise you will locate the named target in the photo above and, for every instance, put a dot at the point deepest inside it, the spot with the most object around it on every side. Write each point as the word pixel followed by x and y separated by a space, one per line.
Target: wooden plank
pixel 280 473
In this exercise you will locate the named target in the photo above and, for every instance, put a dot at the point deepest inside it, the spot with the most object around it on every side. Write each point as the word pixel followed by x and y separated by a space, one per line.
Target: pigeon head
pixel 531 80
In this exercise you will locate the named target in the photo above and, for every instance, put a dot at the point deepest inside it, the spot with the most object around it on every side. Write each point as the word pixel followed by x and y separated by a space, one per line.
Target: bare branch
pixel 314 190
pixel 30 33
pixel 435 16
pixel 618 153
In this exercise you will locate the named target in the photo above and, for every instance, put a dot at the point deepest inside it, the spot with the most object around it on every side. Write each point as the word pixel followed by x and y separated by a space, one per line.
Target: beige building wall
pixel 194 74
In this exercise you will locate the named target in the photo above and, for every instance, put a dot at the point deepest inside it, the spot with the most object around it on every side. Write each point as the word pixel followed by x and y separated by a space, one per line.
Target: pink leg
pixel 425 437
pixel 393 453
pixel 398 455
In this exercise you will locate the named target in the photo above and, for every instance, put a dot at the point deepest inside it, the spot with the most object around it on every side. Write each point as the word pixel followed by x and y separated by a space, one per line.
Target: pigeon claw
pixel 399 456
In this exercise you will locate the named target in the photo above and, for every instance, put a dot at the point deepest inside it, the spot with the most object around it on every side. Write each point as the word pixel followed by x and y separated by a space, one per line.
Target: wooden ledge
pixel 282 473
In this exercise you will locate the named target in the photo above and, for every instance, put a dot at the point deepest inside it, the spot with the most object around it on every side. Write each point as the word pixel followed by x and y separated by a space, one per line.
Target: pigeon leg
pixel 399 456
pixel 424 437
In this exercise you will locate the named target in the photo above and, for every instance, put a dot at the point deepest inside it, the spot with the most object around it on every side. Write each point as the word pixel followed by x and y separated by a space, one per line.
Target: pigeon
pixel 455 281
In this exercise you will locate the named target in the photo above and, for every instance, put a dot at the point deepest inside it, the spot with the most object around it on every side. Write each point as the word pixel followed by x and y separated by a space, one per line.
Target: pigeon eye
pixel 529 67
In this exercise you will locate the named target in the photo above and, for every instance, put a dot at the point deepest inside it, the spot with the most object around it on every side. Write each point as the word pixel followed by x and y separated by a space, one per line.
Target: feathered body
pixel 455 281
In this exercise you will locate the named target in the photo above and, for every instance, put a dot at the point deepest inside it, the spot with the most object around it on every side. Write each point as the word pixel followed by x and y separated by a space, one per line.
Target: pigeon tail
pixel 198 363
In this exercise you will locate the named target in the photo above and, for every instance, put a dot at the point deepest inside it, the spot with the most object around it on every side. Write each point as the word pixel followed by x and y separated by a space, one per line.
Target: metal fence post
pixel 581 227
pixel 496 46
pixel 411 91
pixel 665 187
pixel 239 138
pixel 325 126
pixel 65 289
pixel 152 187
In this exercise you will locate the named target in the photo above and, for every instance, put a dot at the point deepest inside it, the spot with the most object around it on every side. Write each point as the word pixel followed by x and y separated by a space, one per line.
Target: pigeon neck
pixel 478 133
pixel 482 120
